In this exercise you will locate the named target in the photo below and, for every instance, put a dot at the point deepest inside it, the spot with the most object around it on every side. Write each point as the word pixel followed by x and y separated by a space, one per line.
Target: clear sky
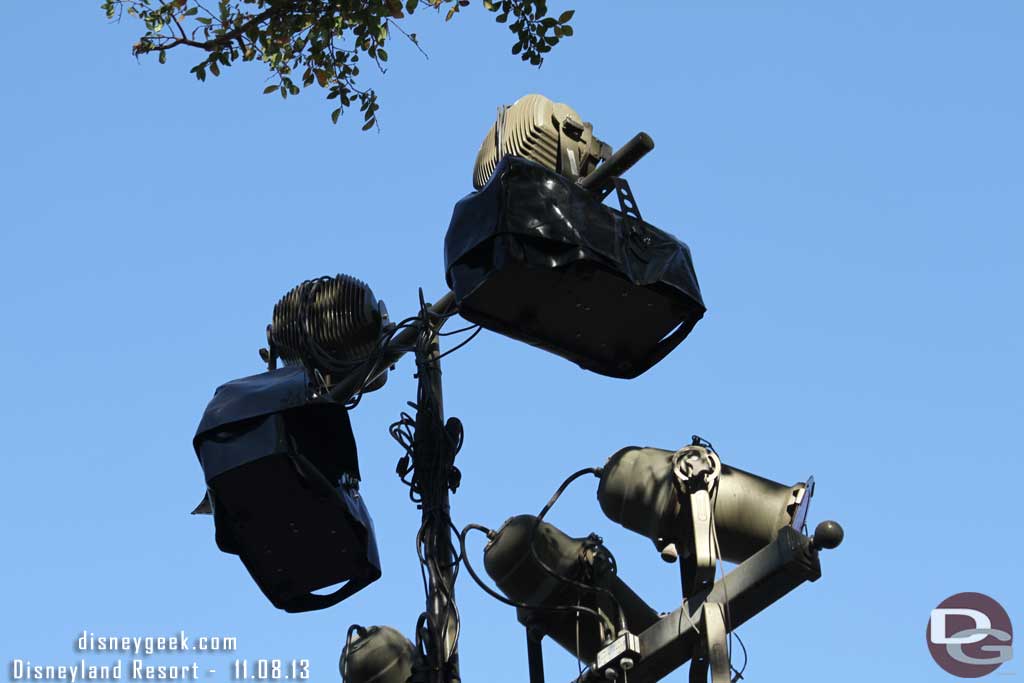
pixel 848 175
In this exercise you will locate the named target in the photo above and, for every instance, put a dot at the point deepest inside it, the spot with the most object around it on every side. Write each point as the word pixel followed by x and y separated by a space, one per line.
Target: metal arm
pixel 396 348
pixel 749 589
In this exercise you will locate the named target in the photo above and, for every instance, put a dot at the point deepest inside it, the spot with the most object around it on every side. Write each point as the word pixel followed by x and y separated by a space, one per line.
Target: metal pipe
pixel 753 586
pixel 396 348
pixel 535 655
pixel 433 458
pixel 621 161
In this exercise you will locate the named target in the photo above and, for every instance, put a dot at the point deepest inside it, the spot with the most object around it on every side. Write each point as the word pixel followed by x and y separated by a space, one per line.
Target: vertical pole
pixel 535 655
pixel 434 455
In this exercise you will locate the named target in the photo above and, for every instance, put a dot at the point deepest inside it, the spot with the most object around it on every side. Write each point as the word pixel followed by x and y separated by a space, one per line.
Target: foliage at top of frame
pixel 321 42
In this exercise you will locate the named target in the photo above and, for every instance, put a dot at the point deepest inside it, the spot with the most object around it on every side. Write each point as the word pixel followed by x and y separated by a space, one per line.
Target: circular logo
pixel 969 635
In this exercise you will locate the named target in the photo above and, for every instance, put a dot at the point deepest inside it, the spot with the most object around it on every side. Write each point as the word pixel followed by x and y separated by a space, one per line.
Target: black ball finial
pixel 827 535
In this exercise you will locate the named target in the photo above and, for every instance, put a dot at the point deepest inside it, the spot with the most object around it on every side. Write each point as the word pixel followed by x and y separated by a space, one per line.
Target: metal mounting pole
pixel 535 654
pixel 433 458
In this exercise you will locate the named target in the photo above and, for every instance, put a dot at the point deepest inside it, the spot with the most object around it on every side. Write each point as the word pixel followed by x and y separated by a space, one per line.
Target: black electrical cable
pixel 596 471
pixel 372 362
pixel 467 328
pixel 348 644
pixel 577 609
pixel 462 343
pixel 739 674
pixel 439 561
pixel 428 480
pixel 451 601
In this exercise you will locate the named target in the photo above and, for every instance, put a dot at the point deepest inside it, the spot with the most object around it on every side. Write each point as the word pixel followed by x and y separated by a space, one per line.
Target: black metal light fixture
pixel 378 654
pixel 646 491
pixel 535 255
pixel 550 133
pixel 560 575
pixel 279 456
pixel 331 325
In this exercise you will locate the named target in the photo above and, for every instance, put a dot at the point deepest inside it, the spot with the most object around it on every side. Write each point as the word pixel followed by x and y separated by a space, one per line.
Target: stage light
pixel 282 478
pixel 330 325
pixel 378 654
pixel 549 133
pixel 535 255
pixel 582 573
pixel 644 490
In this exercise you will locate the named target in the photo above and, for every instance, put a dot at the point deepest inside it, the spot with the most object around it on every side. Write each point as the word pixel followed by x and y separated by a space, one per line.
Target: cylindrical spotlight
pixel 378 654
pixel 639 490
pixel 509 562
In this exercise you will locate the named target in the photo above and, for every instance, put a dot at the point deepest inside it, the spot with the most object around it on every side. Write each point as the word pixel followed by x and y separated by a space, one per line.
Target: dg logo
pixel 970 635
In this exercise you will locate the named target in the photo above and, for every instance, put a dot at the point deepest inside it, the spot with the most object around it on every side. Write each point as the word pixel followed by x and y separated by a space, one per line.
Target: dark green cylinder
pixel 510 564
pixel 380 654
pixel 638 490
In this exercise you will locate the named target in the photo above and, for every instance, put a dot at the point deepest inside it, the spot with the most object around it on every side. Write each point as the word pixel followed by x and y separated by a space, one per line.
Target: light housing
pixel 378 654
pixel 639 490
pixel 282 477
pixel 549 133
pixel 509 562
pixel 535 257
pixel 330 325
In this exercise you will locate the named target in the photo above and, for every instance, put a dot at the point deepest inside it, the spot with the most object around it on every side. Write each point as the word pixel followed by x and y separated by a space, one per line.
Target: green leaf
pixel 163 57
pixel 335 114
pixel 567 31
pixel 205 21
pixel 566 16
pixel 369 124
pixel 270 88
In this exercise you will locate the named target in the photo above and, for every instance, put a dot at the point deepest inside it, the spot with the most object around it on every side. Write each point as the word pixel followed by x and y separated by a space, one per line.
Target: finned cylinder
pixel 335 319
pixel 510 564
pixel 638 490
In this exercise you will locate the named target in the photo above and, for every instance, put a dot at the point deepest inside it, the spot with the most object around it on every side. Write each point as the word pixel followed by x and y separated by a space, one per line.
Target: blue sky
pixel 847 175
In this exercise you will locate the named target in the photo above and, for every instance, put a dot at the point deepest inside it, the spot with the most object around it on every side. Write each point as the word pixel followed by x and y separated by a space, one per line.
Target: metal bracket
pixel 269 354
pixel 619 656
pixel 697 470
pixel 713 651
pixel 756 584
pixel 627 204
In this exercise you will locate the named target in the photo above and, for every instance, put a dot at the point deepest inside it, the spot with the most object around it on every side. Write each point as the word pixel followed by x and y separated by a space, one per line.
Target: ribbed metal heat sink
pixel 336 318
pixel 549 133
